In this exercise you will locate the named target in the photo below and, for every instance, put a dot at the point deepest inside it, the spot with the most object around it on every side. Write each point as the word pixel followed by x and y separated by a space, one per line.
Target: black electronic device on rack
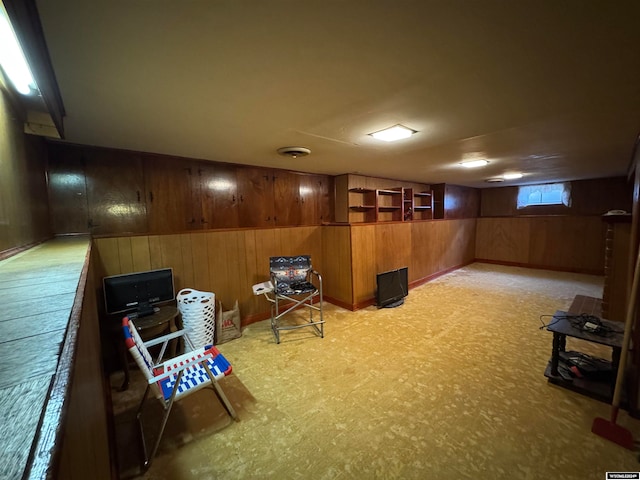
pixel 138 292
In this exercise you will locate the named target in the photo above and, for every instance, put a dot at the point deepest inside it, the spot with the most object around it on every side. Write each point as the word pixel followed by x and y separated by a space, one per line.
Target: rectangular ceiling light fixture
pixel 391 134
pixel 12 59
pixel 475 163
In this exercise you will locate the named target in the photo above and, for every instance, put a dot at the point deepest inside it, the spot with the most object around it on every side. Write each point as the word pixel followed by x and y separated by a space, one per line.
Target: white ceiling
pixel 545 87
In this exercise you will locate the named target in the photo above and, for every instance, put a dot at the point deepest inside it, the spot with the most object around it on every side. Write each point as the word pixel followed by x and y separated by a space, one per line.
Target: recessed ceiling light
pixel 475 163
pixel 391 134
pixel 494 180
pixel 512 176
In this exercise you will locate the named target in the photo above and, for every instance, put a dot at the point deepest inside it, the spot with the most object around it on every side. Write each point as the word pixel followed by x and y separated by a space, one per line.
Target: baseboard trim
pixel 586 271
pixel 255 318
pixel 416 283
pixel 10 252
pixel 341 303
pixel 258 317
pixel 433 276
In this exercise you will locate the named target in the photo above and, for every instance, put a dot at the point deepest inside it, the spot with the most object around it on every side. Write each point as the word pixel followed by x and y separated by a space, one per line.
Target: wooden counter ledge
pixel 41 292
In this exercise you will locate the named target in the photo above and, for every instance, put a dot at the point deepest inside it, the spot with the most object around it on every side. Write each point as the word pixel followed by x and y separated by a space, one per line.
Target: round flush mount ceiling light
pixel 506 176
pixel 294 152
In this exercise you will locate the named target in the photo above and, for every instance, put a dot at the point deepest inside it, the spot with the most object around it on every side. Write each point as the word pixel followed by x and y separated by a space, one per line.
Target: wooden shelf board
pixel 362 207
pixel 361 190
pixel 594 389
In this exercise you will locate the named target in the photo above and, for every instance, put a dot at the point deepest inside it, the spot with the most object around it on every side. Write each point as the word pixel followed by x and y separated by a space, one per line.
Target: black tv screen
pixel 138 292
pixel 392 287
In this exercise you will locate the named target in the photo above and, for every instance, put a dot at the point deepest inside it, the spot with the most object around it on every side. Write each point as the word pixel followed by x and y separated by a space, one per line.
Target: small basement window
pixel 547 194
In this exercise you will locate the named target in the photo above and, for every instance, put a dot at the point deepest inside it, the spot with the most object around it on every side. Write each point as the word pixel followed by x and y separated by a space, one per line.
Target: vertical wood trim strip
pixel 201 279
pixel 155 252
pixel 141 254
pixel 109 255
pixel 188 275
pixel 126 255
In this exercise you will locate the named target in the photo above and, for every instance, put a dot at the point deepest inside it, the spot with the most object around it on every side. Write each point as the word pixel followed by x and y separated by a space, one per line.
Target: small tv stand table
pixel 160 323
pixel 561 328
pixel 161 317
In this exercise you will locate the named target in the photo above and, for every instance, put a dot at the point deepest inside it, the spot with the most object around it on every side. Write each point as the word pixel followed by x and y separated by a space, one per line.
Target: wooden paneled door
pixel 286 186
pixel 255 195
pixel 219 195
pixel 115 192
pixel 314 199
pixel 172 195
pixel 67 191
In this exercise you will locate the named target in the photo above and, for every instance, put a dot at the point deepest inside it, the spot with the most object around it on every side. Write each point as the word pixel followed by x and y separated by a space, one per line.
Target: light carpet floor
pixel 449 385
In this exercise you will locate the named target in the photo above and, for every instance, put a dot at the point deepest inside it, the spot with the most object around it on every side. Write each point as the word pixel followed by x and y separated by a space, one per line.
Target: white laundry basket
pixel 198 311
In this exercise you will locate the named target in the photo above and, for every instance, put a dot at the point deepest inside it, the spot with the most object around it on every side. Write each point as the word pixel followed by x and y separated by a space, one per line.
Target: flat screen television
pixel 392 287
pixel 138 292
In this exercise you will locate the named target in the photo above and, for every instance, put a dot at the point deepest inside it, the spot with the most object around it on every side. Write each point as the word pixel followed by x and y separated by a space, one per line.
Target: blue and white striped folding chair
pixel 175 378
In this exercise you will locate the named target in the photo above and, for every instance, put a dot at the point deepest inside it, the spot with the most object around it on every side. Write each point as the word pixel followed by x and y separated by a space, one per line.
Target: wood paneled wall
pixel 552 236
pixel 460 202
pixel 227 263
pixel 113 192
pixel 348 257
pixel 428 248
pixel 85 441
pixel 441 246
pixel 336 259
pixel 377 248
pixel 588 197
pixel 24 208
pixel 572 243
